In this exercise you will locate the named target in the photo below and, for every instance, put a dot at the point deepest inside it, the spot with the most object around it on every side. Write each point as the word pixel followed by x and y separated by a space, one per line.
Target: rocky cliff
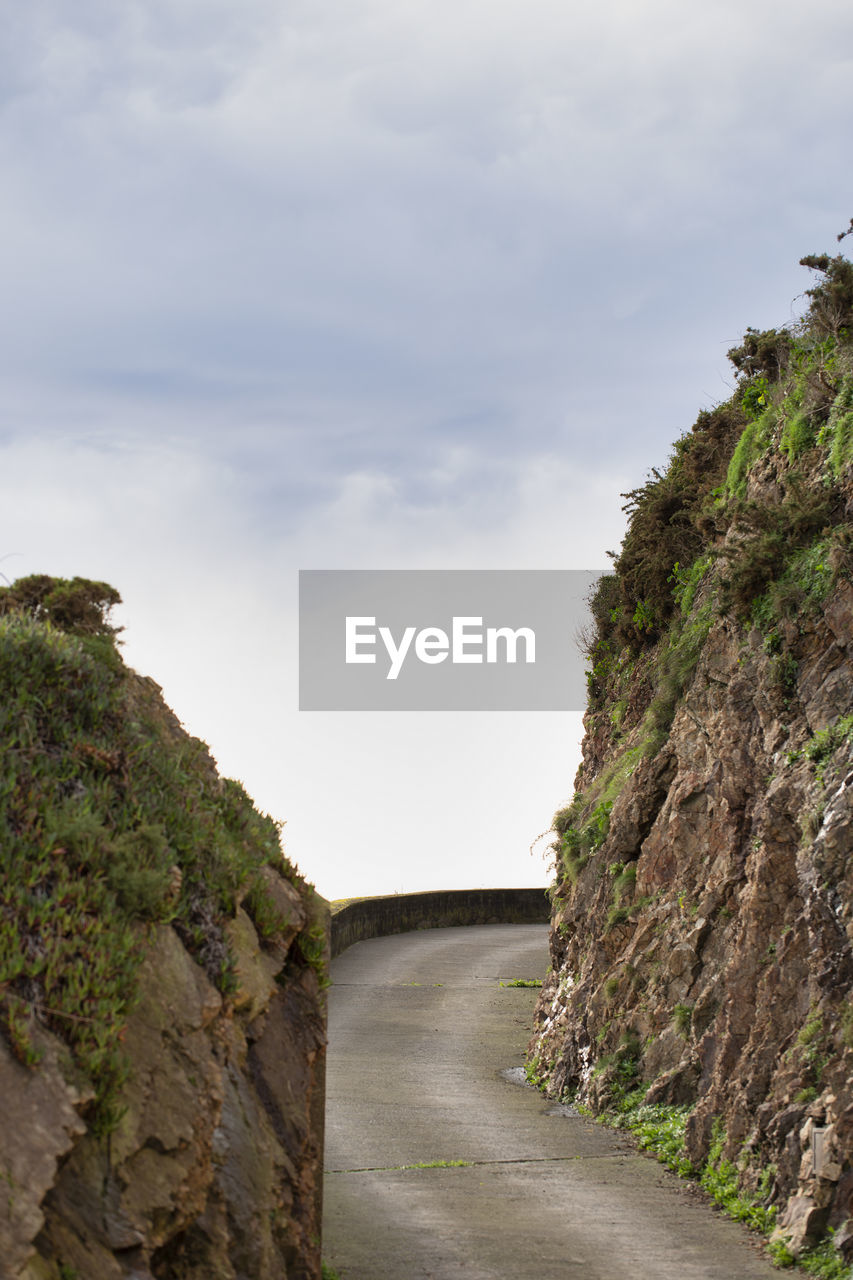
pixel 703 899
pixel 162 969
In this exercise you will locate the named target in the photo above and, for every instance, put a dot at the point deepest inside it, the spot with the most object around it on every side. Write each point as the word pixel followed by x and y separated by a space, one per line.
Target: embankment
pixel 162 973
pixel 703 900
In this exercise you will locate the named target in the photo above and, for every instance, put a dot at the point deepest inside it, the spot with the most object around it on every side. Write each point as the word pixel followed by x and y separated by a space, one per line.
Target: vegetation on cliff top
pixel 793 404
pixel 111 818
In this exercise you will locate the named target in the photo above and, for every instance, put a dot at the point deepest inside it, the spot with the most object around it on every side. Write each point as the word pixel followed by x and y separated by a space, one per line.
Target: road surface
pixel 421 1034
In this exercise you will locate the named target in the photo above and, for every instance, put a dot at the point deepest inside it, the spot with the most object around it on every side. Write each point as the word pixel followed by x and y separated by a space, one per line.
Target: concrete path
pixel 420 1033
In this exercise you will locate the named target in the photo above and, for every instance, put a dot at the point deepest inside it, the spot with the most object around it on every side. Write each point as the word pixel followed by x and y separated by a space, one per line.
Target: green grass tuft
pixel 682 1018
pixel 837 434
pixel 438 1164
pixel 719 1177
pixel 752 444
pixel 799 432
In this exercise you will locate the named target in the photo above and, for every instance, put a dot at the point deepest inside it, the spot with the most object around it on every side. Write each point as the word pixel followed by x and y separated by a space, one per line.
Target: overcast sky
pixel 382 284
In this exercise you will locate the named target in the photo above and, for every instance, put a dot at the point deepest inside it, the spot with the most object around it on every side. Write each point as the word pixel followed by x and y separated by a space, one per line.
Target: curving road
pixel 420 1031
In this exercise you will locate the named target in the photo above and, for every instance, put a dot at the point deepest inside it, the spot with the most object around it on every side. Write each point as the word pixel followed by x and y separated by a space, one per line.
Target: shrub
pixel 762 355
pixel 800 587
pixel 771 538
pixel 598 826
pixel 632 607
pixel 580 838
pixel 660 534
pixel 831 307
pixel 826 741
pixel 79 606
pixel 603 660
pixel 686 582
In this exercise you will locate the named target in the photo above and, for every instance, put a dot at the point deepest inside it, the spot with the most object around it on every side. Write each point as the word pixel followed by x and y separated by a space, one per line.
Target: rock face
pixel 162 1066
pixel 214 1167
pixel 703 905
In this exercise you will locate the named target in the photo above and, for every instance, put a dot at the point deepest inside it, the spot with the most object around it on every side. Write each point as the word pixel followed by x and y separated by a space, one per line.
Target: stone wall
pixel 399 913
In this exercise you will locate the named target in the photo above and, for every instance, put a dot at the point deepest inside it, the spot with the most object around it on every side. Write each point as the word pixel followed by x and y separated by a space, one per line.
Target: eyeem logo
pixel 432 645
pixel 449 640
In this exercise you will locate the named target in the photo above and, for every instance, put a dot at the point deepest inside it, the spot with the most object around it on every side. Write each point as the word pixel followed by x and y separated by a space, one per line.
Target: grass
pixel 826 741
pixel 751 445
pixel 338 904
pixel 815 1046
pixel 583 826
pixel 522 982
pixel 422 1164
pixel 799 431
pixel 112 820
pixel 719 1177
pixel 822 1261
pixel 624 884
pixel 803 584
pixel 686 582
pixel 837 435
pixel 682 1017
pixel 580 839
pixel 659 1129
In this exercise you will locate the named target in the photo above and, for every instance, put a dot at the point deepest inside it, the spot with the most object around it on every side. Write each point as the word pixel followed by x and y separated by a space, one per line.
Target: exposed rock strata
pixel 702 931
pixel 213 1170
pixel 162 1013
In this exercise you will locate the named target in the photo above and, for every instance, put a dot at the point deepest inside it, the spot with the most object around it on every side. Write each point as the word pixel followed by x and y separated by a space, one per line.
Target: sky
pixel 382 284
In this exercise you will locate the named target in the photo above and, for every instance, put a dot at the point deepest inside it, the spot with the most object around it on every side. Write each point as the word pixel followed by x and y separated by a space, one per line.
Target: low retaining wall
pixel 403 912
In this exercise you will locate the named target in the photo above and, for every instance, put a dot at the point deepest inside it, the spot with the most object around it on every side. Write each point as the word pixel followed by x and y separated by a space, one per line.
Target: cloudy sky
pixel 382 284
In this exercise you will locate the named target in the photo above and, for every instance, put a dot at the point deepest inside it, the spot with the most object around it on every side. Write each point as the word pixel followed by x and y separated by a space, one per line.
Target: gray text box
pixel 443 640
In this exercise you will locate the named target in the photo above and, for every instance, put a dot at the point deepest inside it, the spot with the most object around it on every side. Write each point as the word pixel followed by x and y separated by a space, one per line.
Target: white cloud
pixel 379 284
pixel 388 801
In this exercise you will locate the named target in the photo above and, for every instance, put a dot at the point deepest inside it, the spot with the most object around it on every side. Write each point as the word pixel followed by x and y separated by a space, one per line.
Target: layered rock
pixel 180 1137
pixel 703 904
pixel 214 1169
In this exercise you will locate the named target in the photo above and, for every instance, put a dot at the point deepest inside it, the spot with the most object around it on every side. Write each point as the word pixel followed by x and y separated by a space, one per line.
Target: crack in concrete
pixel 482 1164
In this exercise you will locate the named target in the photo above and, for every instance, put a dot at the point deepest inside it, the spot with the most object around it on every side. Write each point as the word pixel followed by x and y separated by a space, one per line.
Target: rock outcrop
pixel 181 1137
pixel 702 934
